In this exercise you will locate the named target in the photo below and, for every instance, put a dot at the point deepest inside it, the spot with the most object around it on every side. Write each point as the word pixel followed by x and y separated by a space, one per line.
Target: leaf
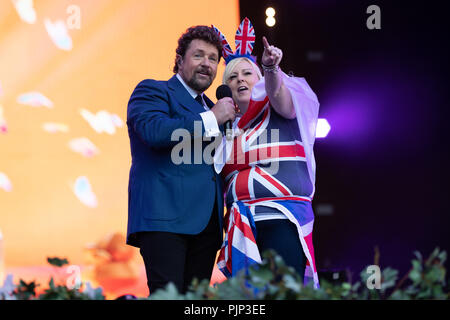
pixel 417 265
pixel 52 284
pixel 261 275
pixel 418 255
pixel 292 283
pixel 415 276
pixel 443 256
pixel 346 286
pixel 170 292
pixel 356 286
pixel 389 277
pixel 57 262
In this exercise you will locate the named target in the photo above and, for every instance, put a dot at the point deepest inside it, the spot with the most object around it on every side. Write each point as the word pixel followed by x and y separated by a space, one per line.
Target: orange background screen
pixel 119 43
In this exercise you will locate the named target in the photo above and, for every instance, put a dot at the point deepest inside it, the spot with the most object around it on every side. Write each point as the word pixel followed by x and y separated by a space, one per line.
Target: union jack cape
pixel 239 249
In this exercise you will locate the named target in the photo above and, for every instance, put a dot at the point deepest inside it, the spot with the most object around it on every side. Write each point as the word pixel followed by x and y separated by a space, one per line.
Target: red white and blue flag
pixel 239 162
pixel 245 38
pixel 226 49
pixel 239 250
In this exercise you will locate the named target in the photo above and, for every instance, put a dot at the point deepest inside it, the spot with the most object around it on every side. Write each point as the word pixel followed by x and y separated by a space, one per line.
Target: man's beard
pixel 195 84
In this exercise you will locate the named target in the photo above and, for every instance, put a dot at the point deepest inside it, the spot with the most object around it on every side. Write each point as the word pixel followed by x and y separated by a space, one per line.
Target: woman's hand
pixel 271 55
pixel 279 95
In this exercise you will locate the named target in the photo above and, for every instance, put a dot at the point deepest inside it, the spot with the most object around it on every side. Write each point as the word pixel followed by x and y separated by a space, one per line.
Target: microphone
pixel 222 92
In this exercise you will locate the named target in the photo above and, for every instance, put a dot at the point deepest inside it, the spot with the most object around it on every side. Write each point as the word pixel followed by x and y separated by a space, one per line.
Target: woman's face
pixel 241 82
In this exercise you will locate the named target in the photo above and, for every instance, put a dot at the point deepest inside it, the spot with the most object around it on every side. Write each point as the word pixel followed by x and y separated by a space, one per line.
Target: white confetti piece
pixel 25 10
pixel 84 146
pixel 58 33
pixel 5 183
pixel 3 125
pixel 102 121
pixel 83 191
pixel 54 127
pixel 35 99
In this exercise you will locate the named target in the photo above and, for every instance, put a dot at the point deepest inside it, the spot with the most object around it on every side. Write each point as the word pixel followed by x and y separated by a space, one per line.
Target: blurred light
pixel 270 21
pixel 314 56
pixel 324 209
pixel 270 12
pixel 323 127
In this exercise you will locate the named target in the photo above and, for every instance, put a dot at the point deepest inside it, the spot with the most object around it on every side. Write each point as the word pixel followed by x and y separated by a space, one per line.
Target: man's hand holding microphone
pixel 225 110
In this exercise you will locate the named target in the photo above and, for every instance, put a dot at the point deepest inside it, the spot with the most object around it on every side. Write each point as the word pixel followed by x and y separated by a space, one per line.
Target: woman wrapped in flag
pixel 268 167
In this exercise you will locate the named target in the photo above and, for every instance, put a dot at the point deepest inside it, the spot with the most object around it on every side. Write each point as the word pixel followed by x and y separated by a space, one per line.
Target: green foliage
pixel 426 278
pixel 27 291
pixel 273 280
pixel 62 292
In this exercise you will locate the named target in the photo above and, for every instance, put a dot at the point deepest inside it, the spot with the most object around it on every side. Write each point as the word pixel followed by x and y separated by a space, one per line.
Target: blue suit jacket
pixel 163 196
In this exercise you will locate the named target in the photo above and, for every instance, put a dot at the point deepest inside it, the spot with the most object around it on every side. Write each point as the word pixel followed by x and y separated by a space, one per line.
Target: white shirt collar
pixel 191 91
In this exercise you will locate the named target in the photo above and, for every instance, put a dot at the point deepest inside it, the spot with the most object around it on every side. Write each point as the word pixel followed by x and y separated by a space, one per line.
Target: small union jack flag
pixel 245 38
pixel 226 49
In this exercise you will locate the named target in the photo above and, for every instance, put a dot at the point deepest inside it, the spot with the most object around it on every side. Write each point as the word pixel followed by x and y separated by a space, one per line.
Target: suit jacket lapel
pixel 186 100
pixel 183 96
pixel 208 102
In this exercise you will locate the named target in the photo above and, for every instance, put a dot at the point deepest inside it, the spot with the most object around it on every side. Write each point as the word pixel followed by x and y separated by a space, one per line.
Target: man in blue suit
pixel 175 210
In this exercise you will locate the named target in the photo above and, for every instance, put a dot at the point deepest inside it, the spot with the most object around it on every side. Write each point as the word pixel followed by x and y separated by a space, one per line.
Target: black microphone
pixel 222 92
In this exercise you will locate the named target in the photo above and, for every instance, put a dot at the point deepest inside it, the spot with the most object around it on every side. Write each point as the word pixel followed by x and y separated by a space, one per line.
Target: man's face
pixel 198 67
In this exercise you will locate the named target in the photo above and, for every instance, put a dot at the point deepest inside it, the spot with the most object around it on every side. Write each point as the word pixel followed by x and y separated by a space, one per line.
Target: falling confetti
pixel 102 121
pixel 54 127
pixel 83 146
pixel 58 33
pixel 25 10
pixel 83 191
pixel 5 183
pixel 35 99
pixel 3 125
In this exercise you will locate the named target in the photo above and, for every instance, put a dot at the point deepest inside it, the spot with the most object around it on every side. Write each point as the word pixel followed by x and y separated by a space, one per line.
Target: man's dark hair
pixel 204 33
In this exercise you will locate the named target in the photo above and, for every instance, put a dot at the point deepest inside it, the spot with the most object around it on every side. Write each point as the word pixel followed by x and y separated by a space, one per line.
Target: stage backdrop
pixel 67 69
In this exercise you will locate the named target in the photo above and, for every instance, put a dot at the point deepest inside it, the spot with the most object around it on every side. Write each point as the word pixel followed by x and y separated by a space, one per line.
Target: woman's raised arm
pixel 279 95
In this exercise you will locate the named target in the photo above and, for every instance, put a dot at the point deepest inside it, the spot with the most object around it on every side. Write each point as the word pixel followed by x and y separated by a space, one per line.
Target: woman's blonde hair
pixel 232 64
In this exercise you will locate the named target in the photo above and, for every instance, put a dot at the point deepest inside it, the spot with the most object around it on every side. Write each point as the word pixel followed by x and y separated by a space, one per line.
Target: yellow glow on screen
pixel 64 87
